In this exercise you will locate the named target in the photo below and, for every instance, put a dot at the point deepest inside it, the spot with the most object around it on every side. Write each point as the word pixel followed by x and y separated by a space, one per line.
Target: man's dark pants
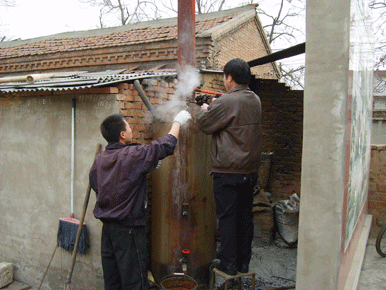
pixel 234 201
pixel 124 257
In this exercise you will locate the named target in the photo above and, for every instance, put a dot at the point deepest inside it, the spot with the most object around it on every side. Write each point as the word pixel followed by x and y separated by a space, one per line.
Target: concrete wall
pixel 324 151
pixel 333 96
pixel 35 150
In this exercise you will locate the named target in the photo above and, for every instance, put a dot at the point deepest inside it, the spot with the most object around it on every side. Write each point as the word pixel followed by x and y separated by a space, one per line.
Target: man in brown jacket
pixel 234 121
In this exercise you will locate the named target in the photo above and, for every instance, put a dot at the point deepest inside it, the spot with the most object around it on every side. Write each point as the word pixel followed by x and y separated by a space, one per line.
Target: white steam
pixel 188 80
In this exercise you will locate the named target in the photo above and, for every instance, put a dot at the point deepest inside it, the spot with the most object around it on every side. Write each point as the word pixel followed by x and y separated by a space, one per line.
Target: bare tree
pixel 205 6
pixel 5 3
pixel 284 26
pixel 124 12
pixel 293 76
pixel 280 26
pixel 378 8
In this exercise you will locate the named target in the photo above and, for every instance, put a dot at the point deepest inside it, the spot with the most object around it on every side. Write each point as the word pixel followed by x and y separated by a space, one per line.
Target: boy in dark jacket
pixel 118 176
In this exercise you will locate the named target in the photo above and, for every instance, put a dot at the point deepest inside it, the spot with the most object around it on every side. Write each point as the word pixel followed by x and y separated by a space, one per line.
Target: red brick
pixel 381 188
pixel 123 86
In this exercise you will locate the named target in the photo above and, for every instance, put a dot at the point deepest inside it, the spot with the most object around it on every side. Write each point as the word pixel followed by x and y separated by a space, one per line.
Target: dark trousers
pixel 124 257
pixel 234 201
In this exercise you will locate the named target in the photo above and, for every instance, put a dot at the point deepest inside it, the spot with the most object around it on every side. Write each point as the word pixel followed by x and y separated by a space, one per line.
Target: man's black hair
pixel 239 70
pixel 112 127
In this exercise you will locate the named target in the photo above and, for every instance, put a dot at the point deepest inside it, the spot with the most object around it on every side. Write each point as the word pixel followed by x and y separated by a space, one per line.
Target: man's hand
pixel 182 117
pixel 204 106
pixel 202 99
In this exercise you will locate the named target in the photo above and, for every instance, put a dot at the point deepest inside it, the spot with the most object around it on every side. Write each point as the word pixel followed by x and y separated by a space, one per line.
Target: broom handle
pixel 85 204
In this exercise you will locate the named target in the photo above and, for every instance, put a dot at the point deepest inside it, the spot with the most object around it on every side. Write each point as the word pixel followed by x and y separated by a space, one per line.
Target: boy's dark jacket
pixel 118 176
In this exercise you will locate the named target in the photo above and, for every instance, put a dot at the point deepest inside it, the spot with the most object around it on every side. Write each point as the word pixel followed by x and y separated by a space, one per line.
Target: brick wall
pixel 158 91
pixel 246 43
pixel 377 190
pixel 283 134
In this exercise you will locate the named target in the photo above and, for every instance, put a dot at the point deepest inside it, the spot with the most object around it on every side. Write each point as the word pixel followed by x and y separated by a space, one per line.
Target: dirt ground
pixel 274 265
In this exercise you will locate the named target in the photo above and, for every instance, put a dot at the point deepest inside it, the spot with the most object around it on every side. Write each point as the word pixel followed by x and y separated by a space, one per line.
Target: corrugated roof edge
pixel 80 81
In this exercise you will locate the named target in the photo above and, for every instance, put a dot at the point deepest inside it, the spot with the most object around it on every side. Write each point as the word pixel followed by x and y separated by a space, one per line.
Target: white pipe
pixel 72 154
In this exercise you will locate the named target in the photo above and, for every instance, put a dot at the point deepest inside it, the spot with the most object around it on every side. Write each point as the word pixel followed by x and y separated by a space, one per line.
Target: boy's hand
pixel 182 117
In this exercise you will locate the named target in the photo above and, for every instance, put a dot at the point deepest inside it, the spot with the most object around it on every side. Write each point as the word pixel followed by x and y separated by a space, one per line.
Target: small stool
pixel 229 277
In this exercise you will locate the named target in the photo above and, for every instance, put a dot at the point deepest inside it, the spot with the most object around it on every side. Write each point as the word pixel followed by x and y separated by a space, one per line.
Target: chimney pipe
pixel 186 34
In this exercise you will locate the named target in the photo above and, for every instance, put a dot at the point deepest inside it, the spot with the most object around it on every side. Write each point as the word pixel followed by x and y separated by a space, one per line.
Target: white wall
pixel 35 150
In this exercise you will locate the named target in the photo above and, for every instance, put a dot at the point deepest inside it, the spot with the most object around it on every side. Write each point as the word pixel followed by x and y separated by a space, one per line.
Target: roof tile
pixel 127 37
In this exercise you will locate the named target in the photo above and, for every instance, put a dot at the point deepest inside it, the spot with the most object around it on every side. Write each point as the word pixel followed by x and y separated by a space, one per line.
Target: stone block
pixel 6 274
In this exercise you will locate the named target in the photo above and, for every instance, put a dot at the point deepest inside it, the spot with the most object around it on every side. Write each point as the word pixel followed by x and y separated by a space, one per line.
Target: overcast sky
pixel 34 18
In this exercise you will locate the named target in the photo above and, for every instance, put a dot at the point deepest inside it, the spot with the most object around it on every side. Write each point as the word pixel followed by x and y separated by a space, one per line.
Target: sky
pixel 34 18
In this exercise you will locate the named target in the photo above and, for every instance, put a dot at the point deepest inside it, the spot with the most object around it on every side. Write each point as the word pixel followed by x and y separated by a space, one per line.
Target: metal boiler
pixel 183 221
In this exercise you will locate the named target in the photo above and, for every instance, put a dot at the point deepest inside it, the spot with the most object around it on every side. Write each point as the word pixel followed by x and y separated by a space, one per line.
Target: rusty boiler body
pixel 183 210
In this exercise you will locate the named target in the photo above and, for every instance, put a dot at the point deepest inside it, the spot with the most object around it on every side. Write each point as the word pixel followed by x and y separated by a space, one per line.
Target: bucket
pixel 178 281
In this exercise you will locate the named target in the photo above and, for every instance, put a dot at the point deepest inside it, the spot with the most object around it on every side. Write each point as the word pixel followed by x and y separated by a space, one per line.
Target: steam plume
pixel 188 79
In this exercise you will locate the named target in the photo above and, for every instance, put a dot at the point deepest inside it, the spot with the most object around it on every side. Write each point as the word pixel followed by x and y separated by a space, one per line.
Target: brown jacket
pixel 234 120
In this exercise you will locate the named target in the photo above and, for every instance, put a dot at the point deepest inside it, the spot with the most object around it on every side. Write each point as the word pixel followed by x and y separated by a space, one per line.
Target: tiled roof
pixel 125 37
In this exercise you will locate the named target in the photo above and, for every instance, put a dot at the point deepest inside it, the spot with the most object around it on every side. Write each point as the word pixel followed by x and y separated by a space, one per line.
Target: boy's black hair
pixel 239 70
pixel 112 127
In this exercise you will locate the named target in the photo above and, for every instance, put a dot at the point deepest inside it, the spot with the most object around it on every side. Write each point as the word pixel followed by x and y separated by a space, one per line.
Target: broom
pixel 80 228
pixel 68 227
pixel 75 231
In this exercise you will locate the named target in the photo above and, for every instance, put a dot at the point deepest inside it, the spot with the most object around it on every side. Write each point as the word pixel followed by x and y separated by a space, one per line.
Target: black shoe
pixel 226 269
pixel 244 268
